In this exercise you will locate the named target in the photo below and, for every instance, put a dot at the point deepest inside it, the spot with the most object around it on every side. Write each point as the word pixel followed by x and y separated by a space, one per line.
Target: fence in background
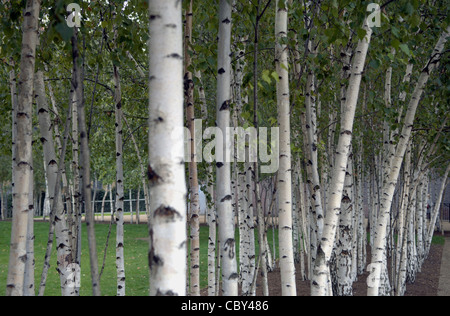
pixel 445 211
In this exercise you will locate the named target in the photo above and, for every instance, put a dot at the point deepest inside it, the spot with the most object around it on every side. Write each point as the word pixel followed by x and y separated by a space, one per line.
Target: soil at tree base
pixel 426 284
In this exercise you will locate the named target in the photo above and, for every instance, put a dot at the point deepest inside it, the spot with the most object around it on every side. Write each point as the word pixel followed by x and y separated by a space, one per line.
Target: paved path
pixel 444 280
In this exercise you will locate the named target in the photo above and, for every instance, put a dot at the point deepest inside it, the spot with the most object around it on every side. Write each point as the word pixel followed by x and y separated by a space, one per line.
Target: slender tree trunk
pixel 14 102
pixel 28 286
pixel 344 251
pixel 210 210
pixel 75 277
pixel 64 248
pixel 166 171
pixel 142 168
pixel 85 169
pixel 261 220
pixel 23 163
pixel 3 200
pixel 193 174
pixel 224 197
pixel 131 206
pixel 402 255
pixel 102 211
pixel 287 267
pixel 320 283
pixel 76 193
pixel 120 193
pixel 395 164
pixel 435 212
pixel 138 206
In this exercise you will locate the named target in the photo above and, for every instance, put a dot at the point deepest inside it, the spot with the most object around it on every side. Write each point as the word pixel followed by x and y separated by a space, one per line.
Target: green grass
pixel 136 262
pixel 135 259
pixel 438 240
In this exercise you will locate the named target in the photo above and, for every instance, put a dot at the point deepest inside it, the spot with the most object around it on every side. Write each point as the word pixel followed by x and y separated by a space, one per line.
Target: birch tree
pixel 194 202
pixel 285 171
pixel 64 246
pixel 85 164
pixel 120 194
pixel 23 157
pixel 167 251
pixel 223 178
pixel 435 212
pixel 320 282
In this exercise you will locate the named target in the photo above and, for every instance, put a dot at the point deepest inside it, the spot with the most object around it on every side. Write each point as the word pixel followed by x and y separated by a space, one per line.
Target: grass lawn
pixel 136 262
pixel 136 249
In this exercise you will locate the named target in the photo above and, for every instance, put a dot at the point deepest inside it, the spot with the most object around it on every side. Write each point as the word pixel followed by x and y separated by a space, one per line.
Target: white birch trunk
pixel 64 249
pixel 143 174
pixel 23 163
pixel 85 169
pixel 224 197
pixel 344 247
pixel 403 227
pixel 166 171
pixel 287 267
pixel 28 285
pixel 435 212
pixel 320 283
pixel 120 193
pixel 194 205
pixel 210 210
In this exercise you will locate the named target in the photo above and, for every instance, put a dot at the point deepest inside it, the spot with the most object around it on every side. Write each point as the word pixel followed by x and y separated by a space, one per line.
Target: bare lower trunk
pixel 23 157
pixel 320 283
pixel 224 196
pixel 85 170
pixel 120 192
pixel 287 268
pixel 166 171
pixel 435 213
pixel 75 278
pixel 194 205
pixel 64 248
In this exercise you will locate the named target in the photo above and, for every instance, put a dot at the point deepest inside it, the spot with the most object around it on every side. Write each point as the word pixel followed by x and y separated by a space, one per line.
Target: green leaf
pixel 275 76
pixel 361 33
pixel 265 76
pixel 395 31
pixel 405 49
pixel 395 44
pixel 375 63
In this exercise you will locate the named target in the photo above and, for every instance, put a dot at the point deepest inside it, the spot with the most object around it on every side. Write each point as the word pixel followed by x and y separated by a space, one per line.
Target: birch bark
pixel 194 201
pixel 344 247
pixel 320 283
pixel 120 194
pixel 211 211
pixel 64 249
pixel 168 235
pixel 435 212
pixel 85 167
pixel 23 157
pixel 287 267
pixel 224 197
